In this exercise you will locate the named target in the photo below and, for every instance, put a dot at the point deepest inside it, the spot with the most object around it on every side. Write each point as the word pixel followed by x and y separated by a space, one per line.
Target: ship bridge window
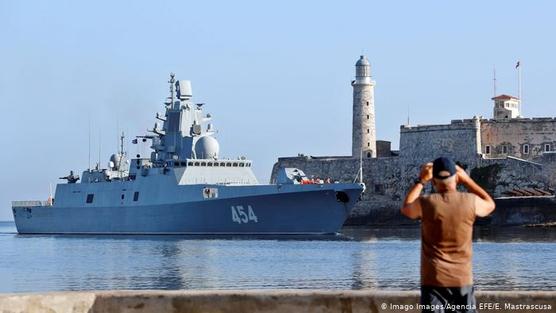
pixel 216 163
pixel 235 164
pixel 190 163
pixel 196 163
pixel 228 164
pixel 209 164
pixel 136 196
pixel 222 164
pixel 203 163
pixel 241 164
pixel 183 163
pixel 90 198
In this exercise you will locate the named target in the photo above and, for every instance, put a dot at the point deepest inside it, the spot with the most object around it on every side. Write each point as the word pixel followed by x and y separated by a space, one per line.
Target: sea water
pixel 360 258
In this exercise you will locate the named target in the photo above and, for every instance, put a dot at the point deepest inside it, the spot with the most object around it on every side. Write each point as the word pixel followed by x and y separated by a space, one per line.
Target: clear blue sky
pixel 276 76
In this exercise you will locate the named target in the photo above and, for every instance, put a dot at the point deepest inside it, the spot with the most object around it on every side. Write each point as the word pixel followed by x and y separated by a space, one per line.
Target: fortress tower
pixel 364 131
pixel 506 107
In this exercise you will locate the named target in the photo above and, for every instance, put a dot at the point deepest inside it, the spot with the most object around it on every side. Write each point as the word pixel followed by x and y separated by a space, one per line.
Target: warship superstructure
pixel 185 187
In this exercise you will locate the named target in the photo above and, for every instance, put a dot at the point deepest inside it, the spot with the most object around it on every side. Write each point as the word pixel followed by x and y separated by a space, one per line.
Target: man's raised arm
pixel 484 205
pixel 411 205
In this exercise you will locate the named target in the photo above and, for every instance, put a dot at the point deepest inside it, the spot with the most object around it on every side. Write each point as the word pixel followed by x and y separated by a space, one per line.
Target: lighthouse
pixel 364 130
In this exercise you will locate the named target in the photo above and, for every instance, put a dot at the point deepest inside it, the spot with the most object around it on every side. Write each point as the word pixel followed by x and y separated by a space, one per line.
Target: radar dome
pixel 207 147
pixel 117 161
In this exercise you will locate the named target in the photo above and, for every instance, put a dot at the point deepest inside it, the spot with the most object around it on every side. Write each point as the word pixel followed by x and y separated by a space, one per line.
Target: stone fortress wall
pixel 504 153
pixel 525 138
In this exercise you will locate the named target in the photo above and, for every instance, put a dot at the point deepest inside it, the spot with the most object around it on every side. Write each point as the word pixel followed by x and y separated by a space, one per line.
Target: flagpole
pixel 494 80
pixel 519 86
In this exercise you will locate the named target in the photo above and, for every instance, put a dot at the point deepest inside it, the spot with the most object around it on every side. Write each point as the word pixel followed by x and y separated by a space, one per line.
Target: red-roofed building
pixel 506 107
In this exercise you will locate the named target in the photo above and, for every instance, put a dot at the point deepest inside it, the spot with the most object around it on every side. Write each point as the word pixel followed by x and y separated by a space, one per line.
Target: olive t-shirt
pixel 446 238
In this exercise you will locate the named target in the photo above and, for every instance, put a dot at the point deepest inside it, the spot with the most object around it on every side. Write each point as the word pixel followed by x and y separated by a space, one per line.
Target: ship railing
pixel 30 203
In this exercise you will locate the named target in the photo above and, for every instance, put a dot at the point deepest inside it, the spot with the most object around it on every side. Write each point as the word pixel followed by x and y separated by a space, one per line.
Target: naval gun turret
pixel 71 178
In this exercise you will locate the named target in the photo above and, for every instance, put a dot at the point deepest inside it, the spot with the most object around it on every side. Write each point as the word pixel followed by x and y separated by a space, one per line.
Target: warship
pixel 185 187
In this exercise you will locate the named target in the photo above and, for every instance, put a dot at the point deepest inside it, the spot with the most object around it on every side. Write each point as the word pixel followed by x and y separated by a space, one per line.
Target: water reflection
pixel 480 233
pixel 361 258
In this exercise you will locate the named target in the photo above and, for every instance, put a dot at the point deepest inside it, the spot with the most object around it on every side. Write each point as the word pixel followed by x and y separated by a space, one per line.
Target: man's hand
pixel 426 173
pixel 411 205
pixel 461 176
pixel 484 205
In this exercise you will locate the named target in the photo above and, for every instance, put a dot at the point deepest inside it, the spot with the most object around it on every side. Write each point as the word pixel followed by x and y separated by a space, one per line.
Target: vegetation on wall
pixel 487 176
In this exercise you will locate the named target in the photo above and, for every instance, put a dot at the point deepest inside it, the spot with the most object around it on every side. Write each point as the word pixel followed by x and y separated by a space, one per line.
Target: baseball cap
pixel 443 168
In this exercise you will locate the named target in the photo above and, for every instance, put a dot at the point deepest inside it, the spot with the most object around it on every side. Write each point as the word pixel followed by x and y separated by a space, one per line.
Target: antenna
pixel 50 200
pixel 121 154
pixel 89 143
pixel 359 174
pixel 99 146
pixel 361 167
pixel 518 67
pixel 408 114
pixel 172 81
pixel 494 80
pixel 122 137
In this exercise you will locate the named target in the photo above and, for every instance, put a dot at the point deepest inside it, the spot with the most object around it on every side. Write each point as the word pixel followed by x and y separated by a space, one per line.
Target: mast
pixel 122 137
pixel 359 175
pixel 99 147
pixel 494 80
pixel 121 154
pixel 518 67
pixel 89 143
pixel 361 167
pixel 172 81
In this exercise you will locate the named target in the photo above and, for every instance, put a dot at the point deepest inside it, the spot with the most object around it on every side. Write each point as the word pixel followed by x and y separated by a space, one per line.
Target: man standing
pixel 447 218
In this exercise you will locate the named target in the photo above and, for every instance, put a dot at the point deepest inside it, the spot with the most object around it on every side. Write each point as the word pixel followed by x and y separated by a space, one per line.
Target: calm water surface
pixel 504 259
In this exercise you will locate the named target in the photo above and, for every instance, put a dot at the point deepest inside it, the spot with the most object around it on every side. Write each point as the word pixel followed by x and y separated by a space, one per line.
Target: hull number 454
pixel 241 215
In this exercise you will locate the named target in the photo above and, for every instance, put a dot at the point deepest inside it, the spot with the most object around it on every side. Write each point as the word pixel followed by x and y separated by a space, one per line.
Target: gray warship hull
pixel 185 187
pixel 262 209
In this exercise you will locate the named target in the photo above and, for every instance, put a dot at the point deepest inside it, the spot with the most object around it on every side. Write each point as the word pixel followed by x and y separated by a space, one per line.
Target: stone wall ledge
pixel 245 301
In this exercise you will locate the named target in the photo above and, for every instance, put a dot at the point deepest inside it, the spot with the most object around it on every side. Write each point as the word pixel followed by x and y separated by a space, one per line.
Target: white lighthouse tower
pixel 364 131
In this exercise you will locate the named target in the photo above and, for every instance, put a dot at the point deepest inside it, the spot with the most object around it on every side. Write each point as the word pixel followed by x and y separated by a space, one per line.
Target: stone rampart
pixel 526 138
pixel 389 179
pixel 459 140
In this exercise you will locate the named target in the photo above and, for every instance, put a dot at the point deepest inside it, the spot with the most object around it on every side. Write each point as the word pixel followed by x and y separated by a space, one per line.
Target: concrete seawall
pixel 274 301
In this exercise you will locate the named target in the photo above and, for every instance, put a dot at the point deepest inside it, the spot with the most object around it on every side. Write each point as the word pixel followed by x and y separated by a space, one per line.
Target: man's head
pixel 444 174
